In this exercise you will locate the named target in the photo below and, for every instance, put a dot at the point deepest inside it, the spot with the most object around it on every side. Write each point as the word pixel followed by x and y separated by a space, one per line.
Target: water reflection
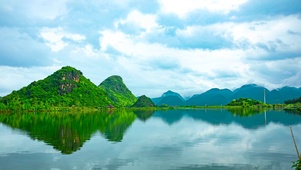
pixel 144 115
pixel 248 118
pixel 68 132
pixel 173 139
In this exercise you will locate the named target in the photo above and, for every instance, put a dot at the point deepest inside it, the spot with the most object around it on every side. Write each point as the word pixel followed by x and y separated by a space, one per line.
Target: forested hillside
pixel 65 87
pixel 117 91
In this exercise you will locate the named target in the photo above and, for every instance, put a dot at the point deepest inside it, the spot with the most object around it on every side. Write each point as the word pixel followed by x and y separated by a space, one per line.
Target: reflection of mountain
pixel 68 132
pixel 144 115
pixel 247 119
pixel 170 116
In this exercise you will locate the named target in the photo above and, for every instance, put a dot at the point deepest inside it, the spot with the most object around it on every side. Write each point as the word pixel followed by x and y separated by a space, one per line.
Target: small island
pixel 246 102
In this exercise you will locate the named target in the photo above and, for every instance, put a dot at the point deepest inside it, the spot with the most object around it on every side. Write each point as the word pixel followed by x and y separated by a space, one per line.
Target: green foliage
pixel 245 111
pixel 64 88
pixel 293 105
pixel 297 164
pixel 245 102
pixel 68 132
pixel 117 91
pixel 143 101
pixel 293 101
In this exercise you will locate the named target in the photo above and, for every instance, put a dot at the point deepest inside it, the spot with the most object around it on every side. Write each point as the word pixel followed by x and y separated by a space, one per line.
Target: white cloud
pixel 136 18
pixel 152 49
pixel 37 9
pixel 14 78
pixel 287 71
pixel 54 38
pixel 199 66
pixel 183 8
pixel 45 9
pixel 280 33
pixel 276 34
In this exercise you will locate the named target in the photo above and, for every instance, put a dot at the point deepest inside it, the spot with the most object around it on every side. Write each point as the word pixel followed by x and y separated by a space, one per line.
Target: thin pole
pixel 265 117
pixel 295 142
pixel 264 100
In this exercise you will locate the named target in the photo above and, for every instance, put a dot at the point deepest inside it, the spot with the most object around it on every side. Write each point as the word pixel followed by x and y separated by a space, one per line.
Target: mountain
pixel 275 96
pixel 169 98
pixel 143 101
pixel 171 101
pixel 283 94
pixel 117 91
pixel 65 87
pixel 251 91
pixel 213 96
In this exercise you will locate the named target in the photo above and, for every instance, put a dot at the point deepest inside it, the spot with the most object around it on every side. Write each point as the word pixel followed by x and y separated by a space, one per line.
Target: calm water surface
pixel 174 139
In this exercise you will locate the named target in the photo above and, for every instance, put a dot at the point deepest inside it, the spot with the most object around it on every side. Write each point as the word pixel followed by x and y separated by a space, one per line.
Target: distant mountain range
pixel 217 96
pixel 68 87
pixel 169 98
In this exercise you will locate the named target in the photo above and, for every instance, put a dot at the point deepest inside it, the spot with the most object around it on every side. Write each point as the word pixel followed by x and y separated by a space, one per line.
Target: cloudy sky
pixel 155 45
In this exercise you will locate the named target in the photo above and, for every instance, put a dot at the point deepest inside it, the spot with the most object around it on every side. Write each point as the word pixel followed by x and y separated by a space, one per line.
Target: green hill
pixel 65 87
pixel 117 91
pixel 143 101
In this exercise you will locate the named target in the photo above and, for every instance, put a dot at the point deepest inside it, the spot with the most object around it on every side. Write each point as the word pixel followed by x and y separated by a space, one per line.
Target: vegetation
pixel 117 91
pixel 65 88
pixel 297 164
pixel 245 102
pixel 293 105
pixel 143 101
pixel 293 101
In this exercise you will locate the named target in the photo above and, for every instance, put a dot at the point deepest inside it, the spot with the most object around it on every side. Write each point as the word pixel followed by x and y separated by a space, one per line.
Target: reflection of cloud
pixel 222 144
pixel 179 146
pixel 12 141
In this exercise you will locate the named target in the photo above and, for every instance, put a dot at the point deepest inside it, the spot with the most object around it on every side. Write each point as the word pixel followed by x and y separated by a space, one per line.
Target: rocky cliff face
pixel 69 81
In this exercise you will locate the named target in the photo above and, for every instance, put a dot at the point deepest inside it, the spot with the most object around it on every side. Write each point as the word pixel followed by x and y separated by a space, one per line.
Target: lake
pixel 173 139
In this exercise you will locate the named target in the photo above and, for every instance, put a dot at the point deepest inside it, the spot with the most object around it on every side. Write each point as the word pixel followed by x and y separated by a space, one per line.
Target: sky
pixel 186 46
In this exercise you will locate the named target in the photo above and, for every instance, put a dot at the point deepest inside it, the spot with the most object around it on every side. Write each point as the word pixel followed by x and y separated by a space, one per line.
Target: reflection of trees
pixel 144 114
pixel 68 132
pixel 246 111
pixel 114 125
pixel 293 111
